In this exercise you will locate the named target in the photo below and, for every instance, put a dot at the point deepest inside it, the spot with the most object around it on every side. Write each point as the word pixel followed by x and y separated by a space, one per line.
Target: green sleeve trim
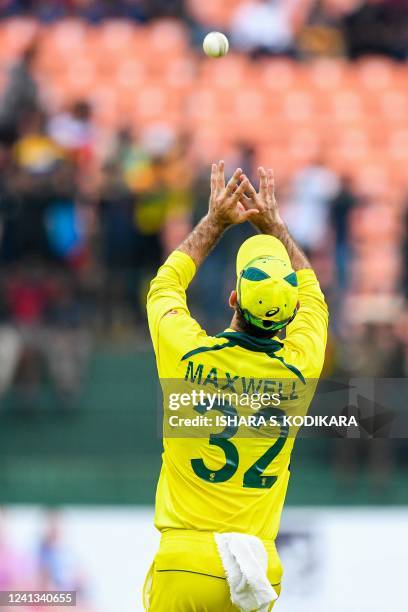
pixel 290 367
pixel 204 349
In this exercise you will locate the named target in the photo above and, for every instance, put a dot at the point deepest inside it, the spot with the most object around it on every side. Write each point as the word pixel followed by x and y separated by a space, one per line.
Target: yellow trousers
pixel 187 574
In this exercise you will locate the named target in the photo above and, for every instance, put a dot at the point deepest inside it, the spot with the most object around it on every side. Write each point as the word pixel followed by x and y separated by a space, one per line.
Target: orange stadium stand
pixel 355 115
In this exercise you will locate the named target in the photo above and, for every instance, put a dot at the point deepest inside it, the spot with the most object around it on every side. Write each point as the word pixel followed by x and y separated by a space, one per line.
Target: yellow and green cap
pixel 267 286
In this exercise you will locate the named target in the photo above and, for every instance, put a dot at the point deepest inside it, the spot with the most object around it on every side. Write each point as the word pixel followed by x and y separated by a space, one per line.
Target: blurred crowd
pixel 87 215
pixel 290 27
pixel 48 566
pixel 92 10
pixel 83 233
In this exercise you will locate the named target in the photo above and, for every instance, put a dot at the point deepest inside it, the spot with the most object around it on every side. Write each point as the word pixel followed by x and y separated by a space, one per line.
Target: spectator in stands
pixel 11 348
pixel 340 209
pixel 141 161
pixel 97 10
pixel 377 27
pixel 131 159
pixel 47 330
pixel 66 231
pixel 264 27
pixel 30 188
pixel 75 132
pixel 20 96
pixel 5 171
pixel 67 341
pixel 134 9
pixel 35 153
pixel 321 34
pixel 49 10
pixel 119 241
pixel 308 211
pixel 93 10
pixel 73 129
pixel 165 8
pixel 146 181
pixel 27 295
pixel 8 8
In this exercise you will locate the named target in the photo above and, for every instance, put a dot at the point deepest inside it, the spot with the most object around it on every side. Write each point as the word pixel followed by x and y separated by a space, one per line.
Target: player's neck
pixel 237 326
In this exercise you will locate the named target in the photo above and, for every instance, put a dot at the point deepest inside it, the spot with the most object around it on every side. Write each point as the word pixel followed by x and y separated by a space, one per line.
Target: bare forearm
pixel 279 230
pixel 203 239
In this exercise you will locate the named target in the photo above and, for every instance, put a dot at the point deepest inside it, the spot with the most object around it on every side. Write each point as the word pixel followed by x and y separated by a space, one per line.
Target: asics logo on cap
pixel 272 312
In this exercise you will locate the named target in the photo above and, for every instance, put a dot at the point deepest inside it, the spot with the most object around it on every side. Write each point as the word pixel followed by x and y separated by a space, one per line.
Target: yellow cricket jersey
pixel 230 482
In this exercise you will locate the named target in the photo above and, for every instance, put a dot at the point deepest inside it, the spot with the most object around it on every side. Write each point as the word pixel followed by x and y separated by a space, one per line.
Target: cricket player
pixel 219 498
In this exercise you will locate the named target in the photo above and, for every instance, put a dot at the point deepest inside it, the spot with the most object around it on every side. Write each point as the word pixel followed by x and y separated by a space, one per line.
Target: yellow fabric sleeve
pixel 307 335
pixel 172 328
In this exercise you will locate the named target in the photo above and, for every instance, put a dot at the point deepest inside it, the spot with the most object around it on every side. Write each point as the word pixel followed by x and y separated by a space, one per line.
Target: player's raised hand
pixel 226 206
pixel 263 201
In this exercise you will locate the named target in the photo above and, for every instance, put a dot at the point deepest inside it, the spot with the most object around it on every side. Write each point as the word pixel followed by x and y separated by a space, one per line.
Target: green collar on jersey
pixel 258 345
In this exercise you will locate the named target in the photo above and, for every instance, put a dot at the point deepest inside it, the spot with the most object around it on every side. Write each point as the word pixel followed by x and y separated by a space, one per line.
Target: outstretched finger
pixel 214 174
pixel 263 182
pixel 271 183
pixel 239 192
pixel 250 189
pixel 221 175
pixel 232 183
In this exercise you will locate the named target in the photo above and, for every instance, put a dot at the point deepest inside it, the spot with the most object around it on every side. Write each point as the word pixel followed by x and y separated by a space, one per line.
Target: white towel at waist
pixel 245 562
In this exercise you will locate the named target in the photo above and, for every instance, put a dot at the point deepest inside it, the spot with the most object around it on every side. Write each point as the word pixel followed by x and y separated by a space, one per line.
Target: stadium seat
pixel 202 104
pixel 393 104
pixel 375 73
pixel 167 35
pixel 116 36
pixel 15 35
pixel 298 105
pixel 304 145
pixel 154 104
pixel 398 145
pixel 105 103
pixel 327 74
pixel 347 105
pixel 278 74
pixel 249 106
pixel 373 177
pixel 67 35
pixel 231 72
pixel 130 74
pixel 180 74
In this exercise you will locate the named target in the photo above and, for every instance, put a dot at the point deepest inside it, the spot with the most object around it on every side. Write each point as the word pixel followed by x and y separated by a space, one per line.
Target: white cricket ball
pixel 216 44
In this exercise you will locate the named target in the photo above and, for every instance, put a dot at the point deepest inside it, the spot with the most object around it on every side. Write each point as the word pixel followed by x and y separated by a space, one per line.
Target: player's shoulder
pixel 205 343
pixel 308 359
